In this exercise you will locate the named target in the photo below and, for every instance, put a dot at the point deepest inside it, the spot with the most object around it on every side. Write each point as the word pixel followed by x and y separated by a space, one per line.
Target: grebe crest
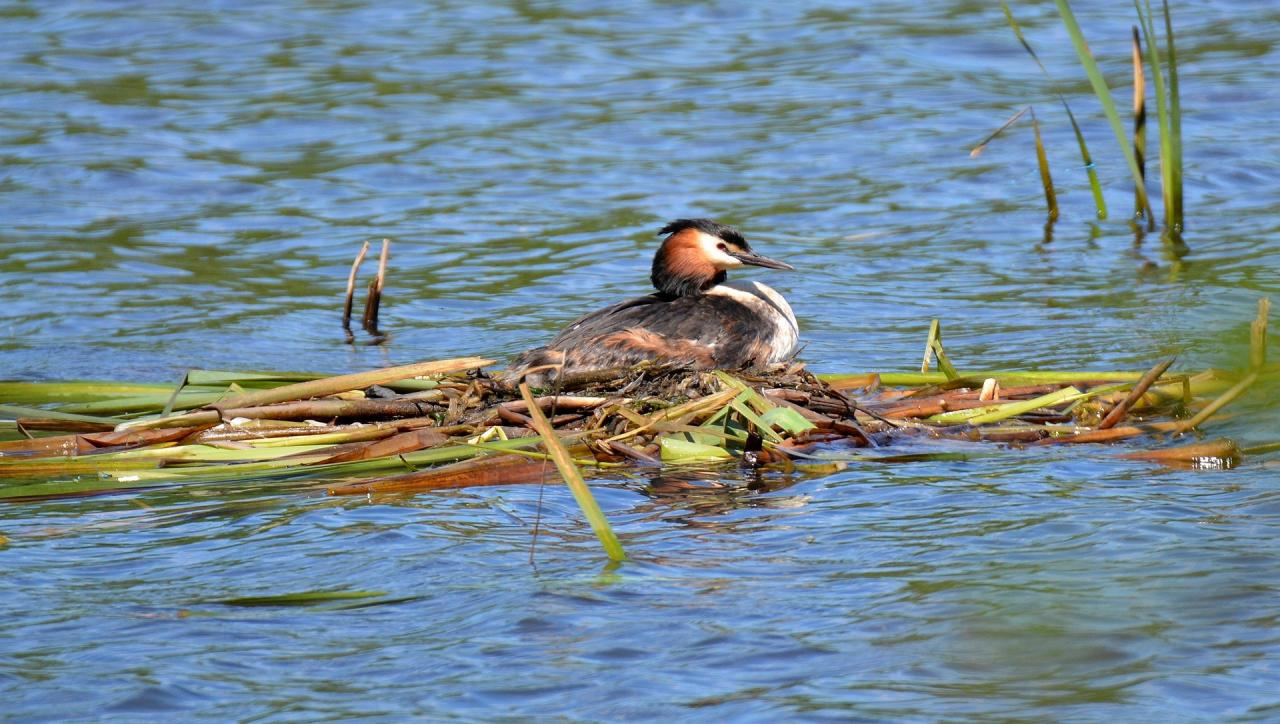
pixel 696 319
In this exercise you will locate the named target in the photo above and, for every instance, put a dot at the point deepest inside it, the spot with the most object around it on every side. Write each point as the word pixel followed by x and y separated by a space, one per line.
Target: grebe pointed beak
pixel 747 257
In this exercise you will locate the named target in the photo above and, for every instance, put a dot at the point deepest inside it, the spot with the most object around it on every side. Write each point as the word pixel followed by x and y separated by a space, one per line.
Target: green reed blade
pixel 573 477
pixel 1258 335
pixel 1218 403
pixel 1203 383
pixel 1013 409
pixel 677 451
pixel 452 453
pixel 41 393
pixel 35 469
pixel 1103 92
pixel 223 378
pixel 305 467
pixel 1260 449
pixel 128 475
pixel 590 462
pixel 1175 126
pixel 955 417
pixel 1006 378
pixel 746 393
pixel 153 402
pixel 750 416
pixel 944 362
pixel 76 486
pixel 1002 411
pixel 173 398
pixel 933 348
pixel 18 411
pixel 935 329
pixel 147 457
pixel 788 419
pixel 1169 107
pixel 355 434
pixel 1090 168
pixel 270 379
pixel 184 454
pixel 1162 108
pixel 1046 179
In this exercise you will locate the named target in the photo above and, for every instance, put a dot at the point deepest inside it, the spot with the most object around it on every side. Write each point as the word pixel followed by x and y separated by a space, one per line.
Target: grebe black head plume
pixel 696 253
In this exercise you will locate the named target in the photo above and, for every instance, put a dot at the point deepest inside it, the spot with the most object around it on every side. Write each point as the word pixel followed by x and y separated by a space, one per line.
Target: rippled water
pixel 186 185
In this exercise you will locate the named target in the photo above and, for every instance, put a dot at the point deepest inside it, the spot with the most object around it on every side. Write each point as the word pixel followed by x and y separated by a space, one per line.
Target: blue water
pixel 186 187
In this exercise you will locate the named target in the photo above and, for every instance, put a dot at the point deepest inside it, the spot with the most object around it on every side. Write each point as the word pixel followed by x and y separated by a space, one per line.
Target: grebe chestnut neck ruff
pixel 696 320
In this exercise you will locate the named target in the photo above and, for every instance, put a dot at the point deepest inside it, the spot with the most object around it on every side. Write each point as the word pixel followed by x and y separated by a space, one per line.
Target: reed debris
pixel 450 424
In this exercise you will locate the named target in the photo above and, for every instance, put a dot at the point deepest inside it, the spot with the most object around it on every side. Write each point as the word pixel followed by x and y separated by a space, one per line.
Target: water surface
pixel 186 187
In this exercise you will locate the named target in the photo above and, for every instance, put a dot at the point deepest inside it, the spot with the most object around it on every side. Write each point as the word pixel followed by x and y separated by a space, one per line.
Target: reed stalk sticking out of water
pixel 1140 126
pixel 1085 157
pixel 351 288
pixel 933 348
pixel 1042 161
pixel 373 302
pixel 1258 335
pixel 1103 92
pixel 1169 112
pixel 1046 179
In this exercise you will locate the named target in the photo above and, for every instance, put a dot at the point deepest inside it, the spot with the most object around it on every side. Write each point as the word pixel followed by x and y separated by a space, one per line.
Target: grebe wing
pixel 607 318
pixel 705 331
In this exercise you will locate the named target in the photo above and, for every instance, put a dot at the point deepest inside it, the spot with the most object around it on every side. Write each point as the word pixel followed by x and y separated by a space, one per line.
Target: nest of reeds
pixel 359 428
pixel 450 424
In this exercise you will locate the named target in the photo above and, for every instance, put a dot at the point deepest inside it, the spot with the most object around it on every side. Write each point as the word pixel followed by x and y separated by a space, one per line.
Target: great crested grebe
pixel 695 320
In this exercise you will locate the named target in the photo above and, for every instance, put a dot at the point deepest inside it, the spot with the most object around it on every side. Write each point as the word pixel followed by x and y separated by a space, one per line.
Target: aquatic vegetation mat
pixel 450 424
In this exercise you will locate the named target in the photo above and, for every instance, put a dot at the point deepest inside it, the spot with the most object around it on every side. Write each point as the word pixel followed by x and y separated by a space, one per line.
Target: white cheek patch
pixel 709 245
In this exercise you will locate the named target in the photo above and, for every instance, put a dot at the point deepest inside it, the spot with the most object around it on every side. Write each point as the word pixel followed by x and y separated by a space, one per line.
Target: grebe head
pixel 696 253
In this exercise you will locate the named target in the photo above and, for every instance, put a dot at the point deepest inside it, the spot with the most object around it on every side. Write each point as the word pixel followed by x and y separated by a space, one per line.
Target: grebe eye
pixel 722 247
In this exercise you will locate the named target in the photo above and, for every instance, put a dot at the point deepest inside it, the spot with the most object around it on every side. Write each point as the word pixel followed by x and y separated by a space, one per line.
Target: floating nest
pixel 449 424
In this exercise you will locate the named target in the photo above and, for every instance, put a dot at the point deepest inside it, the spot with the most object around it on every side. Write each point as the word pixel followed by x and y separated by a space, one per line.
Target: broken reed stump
pixel 373 299
pixel 373 302
pixel 351 287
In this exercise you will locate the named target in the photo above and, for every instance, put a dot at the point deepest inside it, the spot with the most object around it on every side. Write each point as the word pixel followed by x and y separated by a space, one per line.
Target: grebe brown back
pixel 695 320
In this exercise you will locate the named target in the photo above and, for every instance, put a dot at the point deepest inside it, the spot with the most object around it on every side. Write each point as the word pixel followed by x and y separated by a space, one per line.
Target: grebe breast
pixel 770 309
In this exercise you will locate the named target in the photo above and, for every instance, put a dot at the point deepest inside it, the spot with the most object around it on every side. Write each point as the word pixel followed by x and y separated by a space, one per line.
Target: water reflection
pixel 701 499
